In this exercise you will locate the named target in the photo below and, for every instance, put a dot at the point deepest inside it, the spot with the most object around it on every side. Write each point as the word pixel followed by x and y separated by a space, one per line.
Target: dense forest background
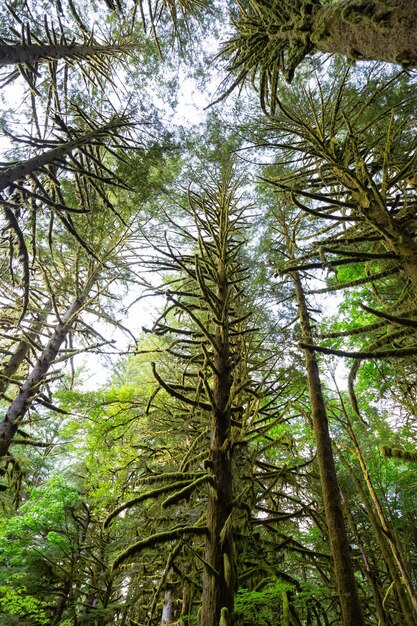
pixel 246 278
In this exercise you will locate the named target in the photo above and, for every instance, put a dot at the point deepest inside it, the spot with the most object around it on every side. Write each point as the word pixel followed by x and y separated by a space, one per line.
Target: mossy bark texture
pixel 23 400
pixel 339 545
pixel 220 581
pixel 383 30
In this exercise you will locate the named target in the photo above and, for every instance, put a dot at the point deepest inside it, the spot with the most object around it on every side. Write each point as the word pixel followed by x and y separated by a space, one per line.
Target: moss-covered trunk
pixel 31 386
pixel 403 601
pixel 388 531
pixel 219 580
pixel 339 545
pixel 383 30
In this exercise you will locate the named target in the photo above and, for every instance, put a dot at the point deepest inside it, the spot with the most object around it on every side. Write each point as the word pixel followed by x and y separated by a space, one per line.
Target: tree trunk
pixel 396 239
pixel 187 604
pixel 19 355
pixel 381 30
pixel 388 532
pixel 339 545
pixel 384 547
pixel 30 387
pixel 219 578
pixel 55 155
pixel 11 54
pixel 168 615
pixel 383 617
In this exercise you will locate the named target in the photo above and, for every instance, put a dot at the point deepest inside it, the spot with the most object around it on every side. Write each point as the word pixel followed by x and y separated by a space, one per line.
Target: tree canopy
pixel 207 355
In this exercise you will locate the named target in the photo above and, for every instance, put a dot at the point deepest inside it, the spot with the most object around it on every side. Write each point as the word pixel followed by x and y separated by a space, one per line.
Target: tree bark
pixel 25 168
pixel 19 355
pixel 386 553
pixel 383 617
pixel 168 615
pixel 339 545
pixel 391 539
pixel 381 30
pixel 219 581
pixel 11 54
pixel 30 387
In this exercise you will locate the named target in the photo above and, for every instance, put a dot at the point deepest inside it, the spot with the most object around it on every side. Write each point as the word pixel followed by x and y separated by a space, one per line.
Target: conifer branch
pixel 188 489
pixel 140 498
pixel 381 354
pixel 170 535
pixel 175 394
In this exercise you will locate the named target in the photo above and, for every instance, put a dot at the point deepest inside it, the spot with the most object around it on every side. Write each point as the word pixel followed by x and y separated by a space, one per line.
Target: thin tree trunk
pixel 187 604
pixel 30 387
pixel 386 552
pixel 55 155
pixel 388 532
pixel 11 54
pixel 339 545
pixel 383 617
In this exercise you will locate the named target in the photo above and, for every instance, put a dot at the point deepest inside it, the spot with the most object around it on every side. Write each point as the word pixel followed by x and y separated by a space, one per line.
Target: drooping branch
pixel 377 354
pixel 142 497
pixel 401 321
pixel 188 489
pixel 170 535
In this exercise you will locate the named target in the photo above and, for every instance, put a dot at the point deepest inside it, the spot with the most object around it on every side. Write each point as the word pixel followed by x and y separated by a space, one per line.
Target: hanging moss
pixel 143 496
pixel 188 489
pixel 399 453
pixel 224 617
pixel 153 540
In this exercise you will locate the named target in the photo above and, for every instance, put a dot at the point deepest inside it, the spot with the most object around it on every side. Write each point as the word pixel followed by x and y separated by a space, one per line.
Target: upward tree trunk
pixel 19 355
pixel 381 30
pixel 339 545
pixel 55 155
pixel 389 533
pixel 219 580
pixel 405 607
pixel 30 387
pixel 11 54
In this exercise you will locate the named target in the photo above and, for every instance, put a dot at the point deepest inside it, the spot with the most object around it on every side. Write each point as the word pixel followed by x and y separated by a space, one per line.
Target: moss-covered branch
pixel 399 453
pixel 188 489
pixel 143 496
pixel 378 354
pixel 170 535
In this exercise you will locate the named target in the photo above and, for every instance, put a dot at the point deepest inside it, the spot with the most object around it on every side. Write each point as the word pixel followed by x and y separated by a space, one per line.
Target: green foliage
pixel 33 544
pixel 347 138
pixel 16 603
pixel 259 608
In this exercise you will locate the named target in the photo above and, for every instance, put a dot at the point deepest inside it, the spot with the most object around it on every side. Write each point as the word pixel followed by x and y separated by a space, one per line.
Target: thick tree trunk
pixel 30 387
pixel 339 545
pixel 381 30
pixel 11 54
pixel 220 578
pixel 396 239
